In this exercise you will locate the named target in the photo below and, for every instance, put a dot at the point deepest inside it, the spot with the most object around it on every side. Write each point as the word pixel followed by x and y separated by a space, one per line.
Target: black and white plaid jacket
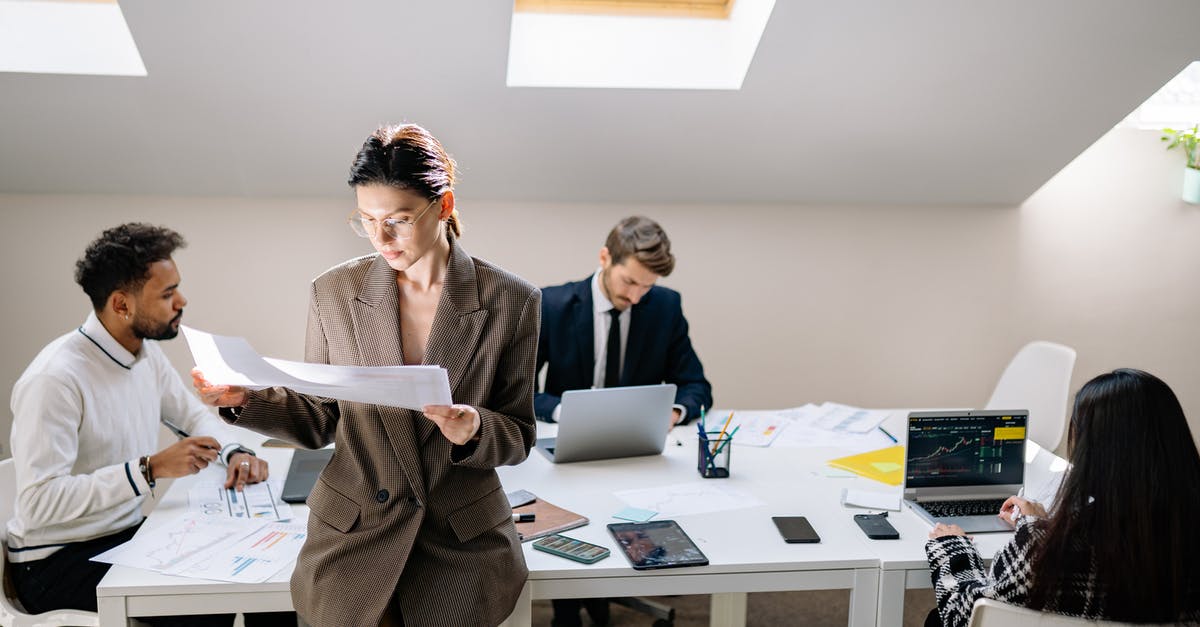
pixel 959 577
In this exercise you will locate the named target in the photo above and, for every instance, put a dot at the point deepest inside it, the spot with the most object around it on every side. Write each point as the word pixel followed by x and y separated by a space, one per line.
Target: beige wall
pixel 873 306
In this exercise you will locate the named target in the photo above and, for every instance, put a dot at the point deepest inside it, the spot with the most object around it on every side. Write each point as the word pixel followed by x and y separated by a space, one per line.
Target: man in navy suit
pixel 618 311
pixel 651 335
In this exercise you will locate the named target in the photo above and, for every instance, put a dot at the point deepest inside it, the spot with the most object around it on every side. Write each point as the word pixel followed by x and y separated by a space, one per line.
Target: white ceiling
pixel 865 101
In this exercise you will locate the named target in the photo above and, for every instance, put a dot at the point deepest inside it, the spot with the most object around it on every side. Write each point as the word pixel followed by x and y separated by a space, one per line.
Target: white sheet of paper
pixel 871 500
pixel 227 360
pixel 259 501
pixel 253 558
pixel 688 498
pixel 809 436
pixel 838 417
pixel 758 428
pixel 177 541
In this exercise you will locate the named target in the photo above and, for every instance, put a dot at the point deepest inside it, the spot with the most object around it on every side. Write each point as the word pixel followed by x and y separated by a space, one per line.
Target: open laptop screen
pixel 947 449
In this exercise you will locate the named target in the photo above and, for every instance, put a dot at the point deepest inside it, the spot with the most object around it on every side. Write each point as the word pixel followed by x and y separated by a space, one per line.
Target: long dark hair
pixel 1128 507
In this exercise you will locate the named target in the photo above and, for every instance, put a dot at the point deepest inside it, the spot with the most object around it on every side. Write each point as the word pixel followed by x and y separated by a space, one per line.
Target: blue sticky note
pixel 635 514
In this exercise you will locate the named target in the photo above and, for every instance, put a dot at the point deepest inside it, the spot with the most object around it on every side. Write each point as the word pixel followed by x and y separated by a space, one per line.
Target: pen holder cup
pixel 712 460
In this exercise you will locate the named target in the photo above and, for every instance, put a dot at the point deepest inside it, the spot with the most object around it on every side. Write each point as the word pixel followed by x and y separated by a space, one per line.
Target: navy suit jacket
pixel 658 349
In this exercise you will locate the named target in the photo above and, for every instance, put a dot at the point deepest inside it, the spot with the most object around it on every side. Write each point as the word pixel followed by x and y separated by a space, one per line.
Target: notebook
pixel 303 472
pixel 960 466
pixel 611 422
pixel 548 519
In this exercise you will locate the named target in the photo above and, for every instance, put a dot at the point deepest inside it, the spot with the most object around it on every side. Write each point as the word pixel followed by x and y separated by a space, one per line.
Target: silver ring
pixel 246 464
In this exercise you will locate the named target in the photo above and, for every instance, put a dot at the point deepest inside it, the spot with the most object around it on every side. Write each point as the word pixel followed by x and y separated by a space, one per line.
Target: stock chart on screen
pixel 958 450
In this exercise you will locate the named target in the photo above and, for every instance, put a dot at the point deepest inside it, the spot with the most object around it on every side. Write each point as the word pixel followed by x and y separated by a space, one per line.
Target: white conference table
pixel 131 592
pixel 745 551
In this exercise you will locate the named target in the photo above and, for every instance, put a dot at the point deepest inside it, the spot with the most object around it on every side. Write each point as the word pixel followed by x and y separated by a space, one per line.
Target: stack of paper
pixel 212 547
pixel 837 417
pixel 804 431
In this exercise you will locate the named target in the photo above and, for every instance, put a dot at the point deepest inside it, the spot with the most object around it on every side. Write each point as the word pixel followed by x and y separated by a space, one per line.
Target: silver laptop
pixel 611 422
pixel 303 472
pixel 960 466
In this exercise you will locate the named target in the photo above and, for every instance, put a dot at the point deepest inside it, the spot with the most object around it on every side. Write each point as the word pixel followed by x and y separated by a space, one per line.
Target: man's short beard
pixel 143 331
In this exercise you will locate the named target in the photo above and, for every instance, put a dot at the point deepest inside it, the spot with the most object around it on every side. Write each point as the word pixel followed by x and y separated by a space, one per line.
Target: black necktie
pixel 612 358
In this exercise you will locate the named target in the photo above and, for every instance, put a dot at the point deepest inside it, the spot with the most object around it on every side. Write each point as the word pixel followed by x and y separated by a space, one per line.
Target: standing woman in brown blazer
pixel 409 524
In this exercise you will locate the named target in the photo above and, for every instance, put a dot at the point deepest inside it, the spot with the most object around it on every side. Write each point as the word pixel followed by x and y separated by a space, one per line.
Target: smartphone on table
pixel 571 548
pixel 796 529
pixel 876 526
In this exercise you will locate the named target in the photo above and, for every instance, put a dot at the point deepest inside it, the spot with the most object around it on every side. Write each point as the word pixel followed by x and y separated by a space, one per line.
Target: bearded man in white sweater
pixel 86 417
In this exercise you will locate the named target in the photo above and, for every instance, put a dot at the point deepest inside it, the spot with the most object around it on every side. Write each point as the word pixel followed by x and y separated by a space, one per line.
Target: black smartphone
pixel 796 529
pixel 876 526
pixel 517 498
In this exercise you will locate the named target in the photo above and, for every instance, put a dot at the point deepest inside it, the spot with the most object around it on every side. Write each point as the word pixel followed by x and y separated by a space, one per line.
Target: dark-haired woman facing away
pixel 1121 544
pixel 409 524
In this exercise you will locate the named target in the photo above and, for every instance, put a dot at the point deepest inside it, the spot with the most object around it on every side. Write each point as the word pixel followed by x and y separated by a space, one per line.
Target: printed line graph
pixel 190 539
pixel 166 547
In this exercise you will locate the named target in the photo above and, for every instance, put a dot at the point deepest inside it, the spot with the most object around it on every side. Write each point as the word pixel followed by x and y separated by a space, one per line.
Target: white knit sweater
pixel 84 411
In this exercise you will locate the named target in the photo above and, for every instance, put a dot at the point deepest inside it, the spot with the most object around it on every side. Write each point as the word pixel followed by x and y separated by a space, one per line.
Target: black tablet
pixel 657 544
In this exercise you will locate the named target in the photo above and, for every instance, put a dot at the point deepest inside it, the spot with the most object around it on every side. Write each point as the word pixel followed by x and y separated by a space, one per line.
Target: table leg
pixel 728 609
pixel 522 614
pixel 112 611
pixel 891 598
pixel 864 598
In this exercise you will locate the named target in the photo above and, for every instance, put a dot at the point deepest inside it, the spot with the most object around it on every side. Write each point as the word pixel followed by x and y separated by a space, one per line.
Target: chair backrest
pixel 1038 379
pixel 989 613
pixel 8 493
pixel 11 612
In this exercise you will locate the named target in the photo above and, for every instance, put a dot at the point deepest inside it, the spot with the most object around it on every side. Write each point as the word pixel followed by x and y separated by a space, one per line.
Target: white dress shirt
pixel 601 321
pixel 84 412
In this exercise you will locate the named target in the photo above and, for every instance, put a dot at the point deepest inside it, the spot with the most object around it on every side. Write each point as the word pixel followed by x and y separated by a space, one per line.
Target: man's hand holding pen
pixel 185 457
pixel 191 454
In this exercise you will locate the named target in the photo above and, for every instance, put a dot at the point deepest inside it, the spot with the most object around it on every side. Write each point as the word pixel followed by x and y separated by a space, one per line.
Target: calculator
pixel 572 549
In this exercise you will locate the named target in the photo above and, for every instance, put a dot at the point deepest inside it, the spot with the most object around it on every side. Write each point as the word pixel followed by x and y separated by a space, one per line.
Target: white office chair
pixel 989 613
pixel 11 612
pixel 1038 379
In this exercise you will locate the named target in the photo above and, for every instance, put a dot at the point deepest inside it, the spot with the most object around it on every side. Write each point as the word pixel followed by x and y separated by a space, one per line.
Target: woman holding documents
pixel 1121 542
pixel 408 523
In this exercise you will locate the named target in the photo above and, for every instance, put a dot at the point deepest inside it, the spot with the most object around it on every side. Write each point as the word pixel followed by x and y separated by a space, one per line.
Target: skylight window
pixel 635 50
pixel 1176 105
pixel 89 37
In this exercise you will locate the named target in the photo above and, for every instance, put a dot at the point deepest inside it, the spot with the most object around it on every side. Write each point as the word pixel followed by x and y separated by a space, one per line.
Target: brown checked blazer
pixel 400 510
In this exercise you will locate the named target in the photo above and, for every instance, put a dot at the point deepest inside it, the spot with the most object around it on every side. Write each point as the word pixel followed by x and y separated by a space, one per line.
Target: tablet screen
pixel 657 544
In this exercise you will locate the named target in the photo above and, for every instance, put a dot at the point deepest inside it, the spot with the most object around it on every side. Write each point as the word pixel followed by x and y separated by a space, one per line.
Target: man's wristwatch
pixel 233 449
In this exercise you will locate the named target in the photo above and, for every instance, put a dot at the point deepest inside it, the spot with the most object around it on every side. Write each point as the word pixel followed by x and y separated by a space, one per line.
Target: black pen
pixel 182 434
pixel 523 518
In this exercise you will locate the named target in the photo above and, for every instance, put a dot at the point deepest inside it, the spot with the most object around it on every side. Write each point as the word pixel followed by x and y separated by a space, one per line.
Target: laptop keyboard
pixel 946 509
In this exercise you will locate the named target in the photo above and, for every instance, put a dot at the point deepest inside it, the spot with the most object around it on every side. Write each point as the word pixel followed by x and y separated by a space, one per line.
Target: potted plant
pixel 1189 140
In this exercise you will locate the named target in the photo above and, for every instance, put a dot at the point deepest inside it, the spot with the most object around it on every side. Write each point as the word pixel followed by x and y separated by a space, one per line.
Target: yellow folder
pixel 886 464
